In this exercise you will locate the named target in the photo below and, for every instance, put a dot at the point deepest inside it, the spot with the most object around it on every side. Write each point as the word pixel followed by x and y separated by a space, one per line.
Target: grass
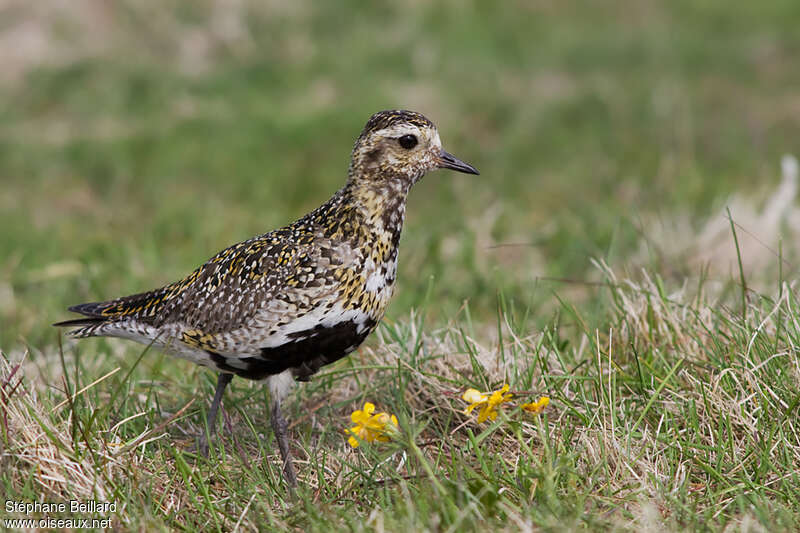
pixel 680 414
pixel 593 260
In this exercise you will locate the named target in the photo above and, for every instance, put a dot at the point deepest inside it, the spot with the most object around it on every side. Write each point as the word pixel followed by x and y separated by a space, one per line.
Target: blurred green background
pixel 139 138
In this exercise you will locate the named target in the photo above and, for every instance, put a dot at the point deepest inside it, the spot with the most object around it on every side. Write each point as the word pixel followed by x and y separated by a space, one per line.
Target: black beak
pixel 449 161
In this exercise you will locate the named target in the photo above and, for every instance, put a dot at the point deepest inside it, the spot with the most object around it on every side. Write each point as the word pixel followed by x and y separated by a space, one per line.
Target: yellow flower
pixel 537 406
pixel 474 397
pixel 371 427
pixel 486 401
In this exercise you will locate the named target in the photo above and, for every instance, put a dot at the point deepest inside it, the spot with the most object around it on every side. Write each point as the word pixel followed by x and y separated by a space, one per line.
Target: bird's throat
pixel 380 204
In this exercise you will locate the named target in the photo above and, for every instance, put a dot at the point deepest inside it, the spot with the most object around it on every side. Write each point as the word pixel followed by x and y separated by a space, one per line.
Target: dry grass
pixel 39 449
pixel 679 411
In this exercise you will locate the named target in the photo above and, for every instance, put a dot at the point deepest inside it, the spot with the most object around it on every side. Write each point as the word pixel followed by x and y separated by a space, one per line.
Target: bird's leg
pixel 222 381
pixel 281 428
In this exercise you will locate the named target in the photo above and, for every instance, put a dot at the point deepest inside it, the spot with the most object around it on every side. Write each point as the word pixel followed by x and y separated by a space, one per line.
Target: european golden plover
pixel 279 306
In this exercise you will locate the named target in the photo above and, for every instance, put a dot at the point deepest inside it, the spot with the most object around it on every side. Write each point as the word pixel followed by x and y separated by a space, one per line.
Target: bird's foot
pixel 201 446
pixel 280 428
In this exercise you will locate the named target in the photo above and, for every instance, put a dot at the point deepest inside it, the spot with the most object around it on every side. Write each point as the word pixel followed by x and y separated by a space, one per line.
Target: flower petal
pixel 537 406
pixel 500 396
pixel 474 396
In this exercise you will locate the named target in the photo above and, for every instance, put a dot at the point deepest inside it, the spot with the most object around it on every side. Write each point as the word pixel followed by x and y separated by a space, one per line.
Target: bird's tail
pixel 89 324
pixel 106 318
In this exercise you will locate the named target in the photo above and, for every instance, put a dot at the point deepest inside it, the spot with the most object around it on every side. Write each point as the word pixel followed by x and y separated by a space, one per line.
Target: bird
pixel 281 305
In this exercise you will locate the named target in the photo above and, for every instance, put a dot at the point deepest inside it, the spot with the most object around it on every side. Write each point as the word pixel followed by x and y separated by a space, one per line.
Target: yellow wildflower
pixel 537 406
pixel 474 397
pixel 486 401
pixel 371 427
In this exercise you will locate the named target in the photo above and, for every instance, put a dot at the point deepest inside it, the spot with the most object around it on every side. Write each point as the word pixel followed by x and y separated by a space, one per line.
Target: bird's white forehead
pixel 436 141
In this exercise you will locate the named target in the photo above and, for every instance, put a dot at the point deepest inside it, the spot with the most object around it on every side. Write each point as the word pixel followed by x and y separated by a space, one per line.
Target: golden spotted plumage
pixel 322 283
pixel 289 301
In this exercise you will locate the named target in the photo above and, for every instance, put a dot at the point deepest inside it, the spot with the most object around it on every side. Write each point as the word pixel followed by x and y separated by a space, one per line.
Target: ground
pixel 629 250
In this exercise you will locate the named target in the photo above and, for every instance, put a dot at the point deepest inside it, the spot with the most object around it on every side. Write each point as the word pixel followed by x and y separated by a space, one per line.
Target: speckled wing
pixel 234 284
pixel 225 293
pixel 290 299
pixel 274 304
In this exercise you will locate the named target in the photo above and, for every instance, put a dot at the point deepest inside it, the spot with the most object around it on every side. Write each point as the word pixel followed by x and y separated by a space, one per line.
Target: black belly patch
pixel 306 352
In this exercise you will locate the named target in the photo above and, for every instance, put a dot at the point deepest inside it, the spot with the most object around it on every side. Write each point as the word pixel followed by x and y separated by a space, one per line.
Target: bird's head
pixel 397 148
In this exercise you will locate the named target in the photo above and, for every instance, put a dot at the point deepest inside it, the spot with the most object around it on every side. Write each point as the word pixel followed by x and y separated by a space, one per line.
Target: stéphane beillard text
pixel 71 506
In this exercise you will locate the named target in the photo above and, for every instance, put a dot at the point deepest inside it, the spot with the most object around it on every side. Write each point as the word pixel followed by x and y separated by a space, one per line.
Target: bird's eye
pixel 408 141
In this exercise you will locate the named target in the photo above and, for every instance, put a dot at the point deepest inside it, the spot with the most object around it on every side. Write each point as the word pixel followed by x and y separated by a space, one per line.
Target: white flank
pixel 319 316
